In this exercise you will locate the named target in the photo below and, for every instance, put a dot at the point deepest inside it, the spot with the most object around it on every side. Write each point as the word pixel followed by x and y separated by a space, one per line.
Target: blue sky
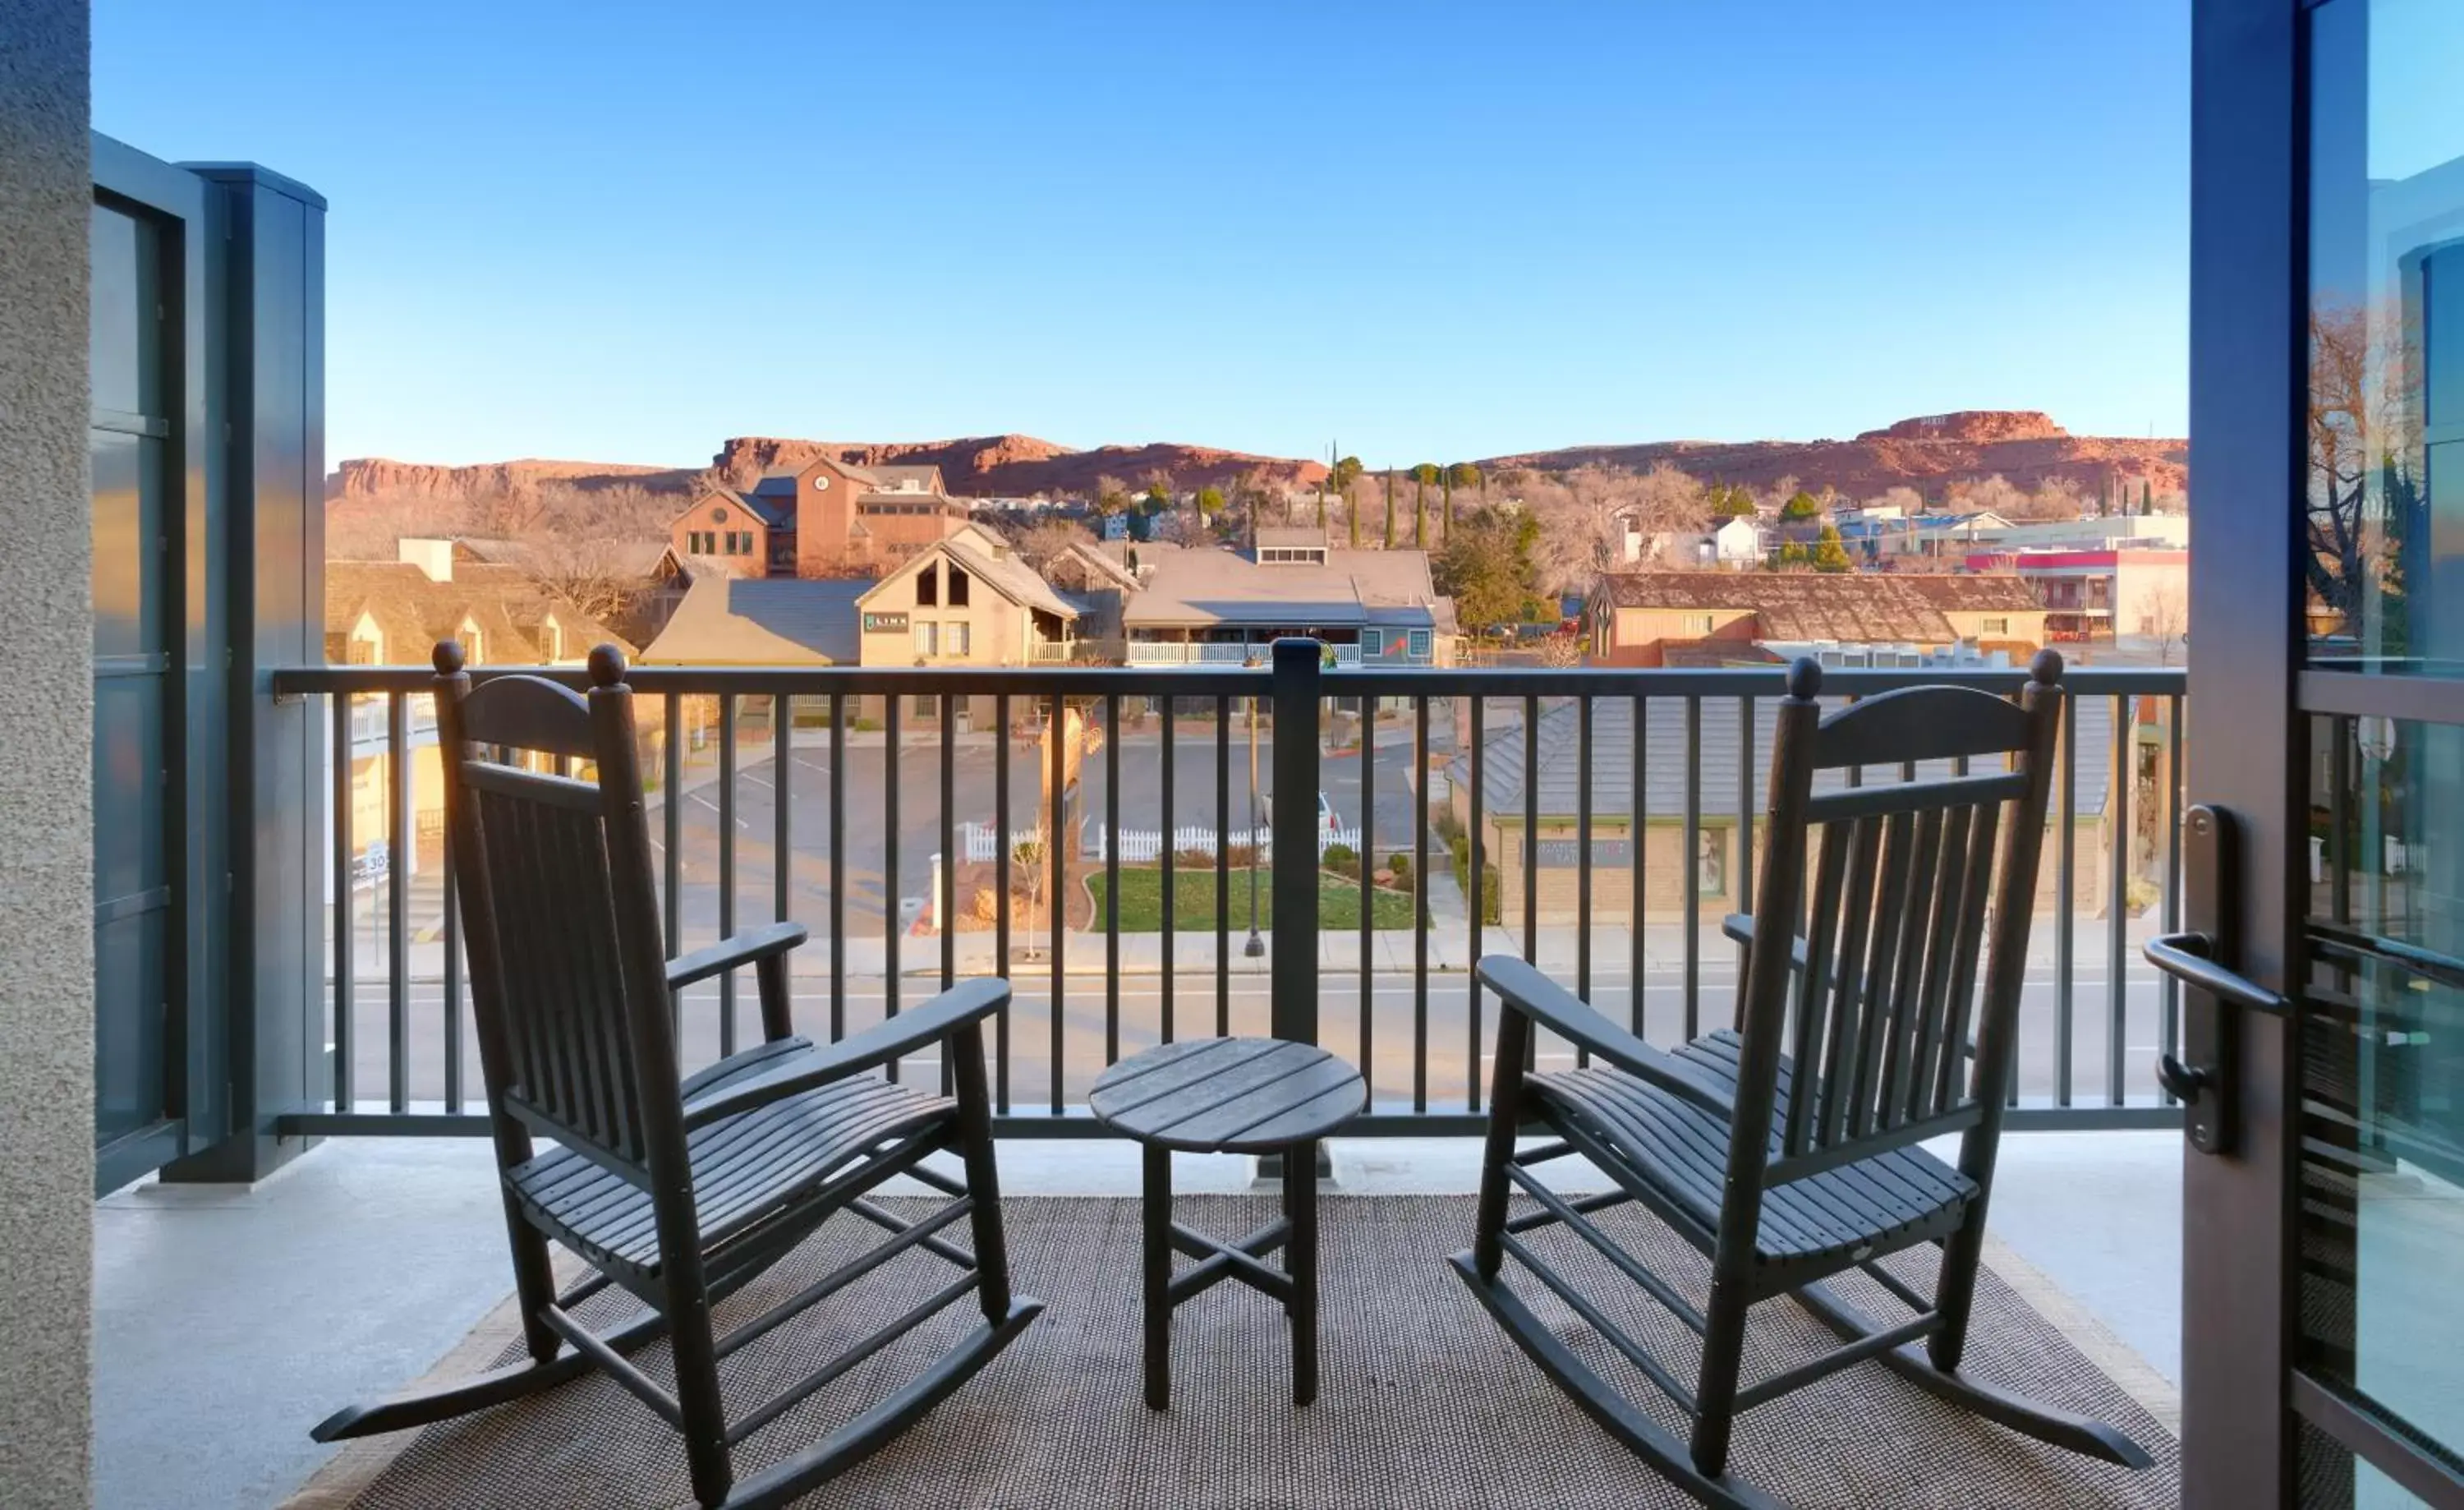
pixel 623 231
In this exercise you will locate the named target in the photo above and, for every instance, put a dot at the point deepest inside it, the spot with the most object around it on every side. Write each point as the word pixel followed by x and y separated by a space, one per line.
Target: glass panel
pixel 128 794
pixel 127 524
pixel 2385 491
pixel 2333 1478
pixel 128 986
pixel 2382 1126
pixel 125 348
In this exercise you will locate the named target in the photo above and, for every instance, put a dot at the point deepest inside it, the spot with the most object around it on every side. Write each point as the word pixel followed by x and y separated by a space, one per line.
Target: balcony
pixel 883 841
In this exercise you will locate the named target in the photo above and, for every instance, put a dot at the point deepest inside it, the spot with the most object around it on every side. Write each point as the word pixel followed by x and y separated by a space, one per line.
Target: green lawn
pixel 1338 901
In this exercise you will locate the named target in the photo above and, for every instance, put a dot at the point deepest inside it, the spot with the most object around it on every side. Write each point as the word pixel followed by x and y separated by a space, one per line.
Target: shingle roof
pixel 1290 535
pixel 929 475
pixel 413 612
pixel 1197 587
pixel 1974 592
pixel 783 621
pixel 1854 607
pixel 1665 758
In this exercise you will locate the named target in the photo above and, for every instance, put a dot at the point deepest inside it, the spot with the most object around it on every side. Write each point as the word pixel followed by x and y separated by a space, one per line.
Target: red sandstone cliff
pixel 2021 445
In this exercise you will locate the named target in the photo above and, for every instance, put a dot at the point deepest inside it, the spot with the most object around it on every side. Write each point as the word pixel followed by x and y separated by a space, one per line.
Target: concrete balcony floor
pixel 228 1321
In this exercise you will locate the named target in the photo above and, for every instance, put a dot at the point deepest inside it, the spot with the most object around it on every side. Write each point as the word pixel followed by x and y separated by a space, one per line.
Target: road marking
pixel 756 780
pixel 714 807
pixel 812 764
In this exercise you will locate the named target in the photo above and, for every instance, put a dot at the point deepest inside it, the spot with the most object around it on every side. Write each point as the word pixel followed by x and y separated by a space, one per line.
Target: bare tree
pixel 1907 500
pixel 1049 538
pixel 2164 611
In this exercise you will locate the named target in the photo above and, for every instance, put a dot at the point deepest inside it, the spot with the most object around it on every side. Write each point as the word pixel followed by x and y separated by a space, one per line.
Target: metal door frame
pixel 2244 1397
pixel 175 201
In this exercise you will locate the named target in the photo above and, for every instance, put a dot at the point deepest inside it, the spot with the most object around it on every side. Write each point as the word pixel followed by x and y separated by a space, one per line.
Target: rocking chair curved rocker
pixel 679 1193
pixel 1787 1151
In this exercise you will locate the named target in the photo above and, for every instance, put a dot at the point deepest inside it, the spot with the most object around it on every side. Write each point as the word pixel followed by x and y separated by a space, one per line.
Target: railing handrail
pixel 1501 682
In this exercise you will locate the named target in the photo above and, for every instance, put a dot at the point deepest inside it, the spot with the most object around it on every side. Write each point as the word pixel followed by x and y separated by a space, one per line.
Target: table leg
pixel 1300 1261
pixel 1156 1215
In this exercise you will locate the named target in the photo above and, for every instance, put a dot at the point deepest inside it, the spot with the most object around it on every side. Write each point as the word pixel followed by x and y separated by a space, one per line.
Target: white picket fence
pixel 1141 846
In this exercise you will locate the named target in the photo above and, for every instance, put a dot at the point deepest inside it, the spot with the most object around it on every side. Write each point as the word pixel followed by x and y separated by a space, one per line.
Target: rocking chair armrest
pixel 1739 927
pixel 962 1004
pixel 748 948
pixel 1534 995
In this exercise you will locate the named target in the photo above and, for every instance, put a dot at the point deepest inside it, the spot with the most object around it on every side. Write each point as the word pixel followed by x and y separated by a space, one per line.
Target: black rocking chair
pixel 678 1193
pixel 1785 1150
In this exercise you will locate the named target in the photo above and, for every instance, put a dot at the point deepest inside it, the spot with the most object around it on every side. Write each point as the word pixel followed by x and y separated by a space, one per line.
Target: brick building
pixel 824 518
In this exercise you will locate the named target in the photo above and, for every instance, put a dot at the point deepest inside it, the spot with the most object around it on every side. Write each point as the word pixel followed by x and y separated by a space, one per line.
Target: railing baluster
pixel 1530 830
pixel 1170 887
pixel 1583 855
pixel 2116 909
pixel 1690 882
pixel 452 941
pixel 2169 1029
pixel 1056 913
pixel 2063 906
pixel 1742 879
pixel 726 866
pixel 1223 862
pixel 1473 852
pixel 1367 852
pixel 944 901
pixel 890 929
pixel 398 900
pixel 1420 918
pixel 1112 878
pixel 1636 837
pixel 1000 896
pixel 671 806
pixel 838 866
pixel 783 822
pixel 345 910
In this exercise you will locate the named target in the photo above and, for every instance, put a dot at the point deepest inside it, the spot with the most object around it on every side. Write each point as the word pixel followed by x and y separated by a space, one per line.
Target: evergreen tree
pixel 1390 508
pixel 2147 497
pixel 1830 552
pixel 1422 476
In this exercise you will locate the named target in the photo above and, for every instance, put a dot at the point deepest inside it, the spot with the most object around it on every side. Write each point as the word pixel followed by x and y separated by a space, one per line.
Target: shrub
pixel 1193 860
pixel 1342 859
pixel 1238 856
pixel 1401 867
pixel 864 725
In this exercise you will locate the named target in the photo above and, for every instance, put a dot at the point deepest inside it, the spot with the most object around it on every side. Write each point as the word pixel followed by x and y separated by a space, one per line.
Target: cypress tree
pixel 2147 497
pixel 1390 508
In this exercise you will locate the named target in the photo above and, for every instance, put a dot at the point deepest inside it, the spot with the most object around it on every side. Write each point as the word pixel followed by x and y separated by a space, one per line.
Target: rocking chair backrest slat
pixel 1892 915
pixel 572 1013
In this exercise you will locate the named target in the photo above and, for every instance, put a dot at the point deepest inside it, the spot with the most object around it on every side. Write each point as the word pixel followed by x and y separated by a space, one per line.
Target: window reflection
pixel 2383 507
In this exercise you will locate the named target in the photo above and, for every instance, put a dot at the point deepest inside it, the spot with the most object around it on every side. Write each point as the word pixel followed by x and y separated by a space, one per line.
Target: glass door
pixel 2323 1063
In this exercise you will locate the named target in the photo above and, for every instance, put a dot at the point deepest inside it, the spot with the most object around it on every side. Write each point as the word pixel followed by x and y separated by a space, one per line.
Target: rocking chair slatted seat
pixel 1786 1148
pixel 679 1191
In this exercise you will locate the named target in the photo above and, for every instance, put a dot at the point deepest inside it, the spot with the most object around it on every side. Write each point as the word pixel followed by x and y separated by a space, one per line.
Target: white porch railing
pixel 1203 653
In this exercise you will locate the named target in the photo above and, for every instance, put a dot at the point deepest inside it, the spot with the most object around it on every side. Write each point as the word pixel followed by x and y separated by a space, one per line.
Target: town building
pixel 1661 618
pixel 968 600
pixel 1223 608
pixel 823 519
pixel 2101 594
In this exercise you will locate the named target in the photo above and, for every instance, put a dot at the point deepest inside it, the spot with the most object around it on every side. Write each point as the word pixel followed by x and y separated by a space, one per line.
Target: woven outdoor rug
pixel 1423 1401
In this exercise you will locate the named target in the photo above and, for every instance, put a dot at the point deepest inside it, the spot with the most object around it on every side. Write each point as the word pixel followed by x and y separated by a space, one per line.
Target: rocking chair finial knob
pixel 607 666
pixel 2047 668
pixel 1804 678
pixel 447 658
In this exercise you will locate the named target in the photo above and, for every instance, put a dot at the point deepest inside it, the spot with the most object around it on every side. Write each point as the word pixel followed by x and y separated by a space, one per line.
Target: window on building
pixel 1418 640
pixel 474 643
pixel 1998 626
pixel 962 637
pixel 928 640
pixel 552 640
pixel 928 589
pixel 958 585
pixel 1697 624
pixel 927 707
pixel 1373 642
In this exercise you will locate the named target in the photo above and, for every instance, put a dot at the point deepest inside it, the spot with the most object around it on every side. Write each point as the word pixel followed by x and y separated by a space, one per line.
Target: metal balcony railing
pixel 852 799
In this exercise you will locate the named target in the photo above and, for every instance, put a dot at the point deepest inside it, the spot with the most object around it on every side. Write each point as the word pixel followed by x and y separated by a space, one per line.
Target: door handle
pixel 2200 957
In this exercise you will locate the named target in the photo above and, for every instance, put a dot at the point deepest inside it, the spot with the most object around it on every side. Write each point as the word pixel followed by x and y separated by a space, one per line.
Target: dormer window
pixel 552 641
pixel 474 643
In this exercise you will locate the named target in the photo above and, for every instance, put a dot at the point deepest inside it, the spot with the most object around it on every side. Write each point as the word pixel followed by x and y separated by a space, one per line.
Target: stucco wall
pixel 46 735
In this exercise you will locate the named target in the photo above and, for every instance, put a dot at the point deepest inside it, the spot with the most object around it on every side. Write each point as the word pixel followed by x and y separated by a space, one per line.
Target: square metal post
pixel 1294 977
